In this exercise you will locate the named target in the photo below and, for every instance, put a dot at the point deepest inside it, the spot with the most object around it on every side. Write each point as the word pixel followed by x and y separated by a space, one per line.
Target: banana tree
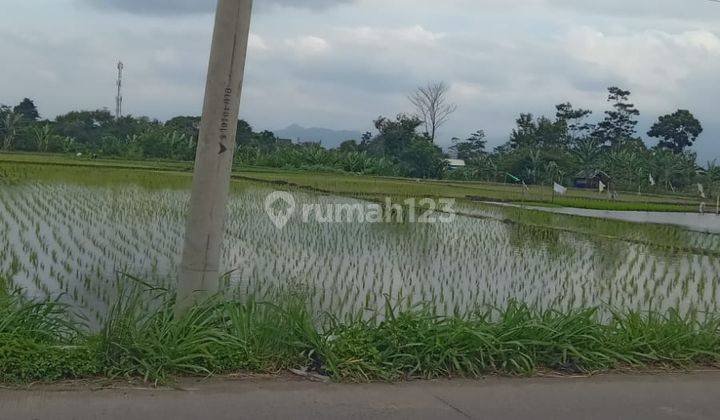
pixel 586 154
pixel 10 126
pixel 42 137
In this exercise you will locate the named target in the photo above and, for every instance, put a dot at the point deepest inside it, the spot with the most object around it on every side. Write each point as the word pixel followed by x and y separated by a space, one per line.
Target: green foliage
pixel 574 122
pixel 398 141
pixel 619 124
pixel 472 148
pixel 586 154
pixel 422 159
pixel 26 360
pixel 540 150
pixel 27 110
pixel 38 341
pixel 221 336
pixel 10 125
pixel 542 133
pixel 673 170
pixel 143 338
pixel 88 128
pixel 150 343
pixel 676 131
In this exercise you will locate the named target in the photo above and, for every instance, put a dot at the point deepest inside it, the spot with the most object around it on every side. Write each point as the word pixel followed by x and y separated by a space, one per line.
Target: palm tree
pixel 586 154
pixel 552 170
pixel 713 171
pixel 672 170
pixel 626 166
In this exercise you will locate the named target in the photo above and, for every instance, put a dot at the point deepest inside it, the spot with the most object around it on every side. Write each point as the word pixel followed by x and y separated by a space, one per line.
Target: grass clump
pixel 38 342
pixel 214 338
pixel 518 340
pixel 143 339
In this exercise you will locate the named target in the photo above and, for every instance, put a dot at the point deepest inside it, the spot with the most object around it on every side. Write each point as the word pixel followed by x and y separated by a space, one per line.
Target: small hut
pixel 591 179
pixel 454 164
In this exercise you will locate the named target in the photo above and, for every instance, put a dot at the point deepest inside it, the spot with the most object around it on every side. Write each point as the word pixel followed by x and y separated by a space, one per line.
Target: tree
pixel 586 154
pixel 676 131
pixel 574 122
pixel 394 136
pixel 243 134
pixel 423 159
pixel 626 167
pixel 471 148
pixel 540 133
pixel 483 168
pixel 673 170
pixel 620 122
pixel 398 141
pixel 551 135
pixel 27 110
pixel 189 126
pixel 9 127
pixel 713 171
pixel 432 106
pixel 348 146
pixel 87 127
pixel 42 136
pixel 525 133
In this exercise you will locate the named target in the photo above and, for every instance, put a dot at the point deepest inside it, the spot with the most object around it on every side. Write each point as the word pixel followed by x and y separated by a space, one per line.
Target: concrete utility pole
pixel 200 267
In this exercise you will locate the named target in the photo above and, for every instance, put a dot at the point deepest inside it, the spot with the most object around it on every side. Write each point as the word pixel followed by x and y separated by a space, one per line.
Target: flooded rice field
pixel 77 236
pixel 705 222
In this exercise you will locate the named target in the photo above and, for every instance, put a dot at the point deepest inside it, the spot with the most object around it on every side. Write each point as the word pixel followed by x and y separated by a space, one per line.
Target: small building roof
pixel 592 173
pixel 455 162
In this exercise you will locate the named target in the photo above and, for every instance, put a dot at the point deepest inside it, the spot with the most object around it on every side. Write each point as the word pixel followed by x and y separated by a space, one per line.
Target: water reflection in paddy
pixel 65 237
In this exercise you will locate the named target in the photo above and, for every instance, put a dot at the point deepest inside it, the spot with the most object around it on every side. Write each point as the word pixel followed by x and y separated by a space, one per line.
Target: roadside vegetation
pixel 43 341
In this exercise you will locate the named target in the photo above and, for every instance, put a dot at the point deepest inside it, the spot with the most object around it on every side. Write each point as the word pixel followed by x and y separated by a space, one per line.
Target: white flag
pixel 560 189
pixel 701 189
pixel 602 186
pixel 652 180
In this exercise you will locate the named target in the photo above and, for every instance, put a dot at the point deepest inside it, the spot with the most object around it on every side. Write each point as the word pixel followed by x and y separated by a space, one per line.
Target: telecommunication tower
pixel 119 98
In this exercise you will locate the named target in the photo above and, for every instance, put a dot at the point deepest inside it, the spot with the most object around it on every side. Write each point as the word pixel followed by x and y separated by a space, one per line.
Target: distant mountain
pixel 329 138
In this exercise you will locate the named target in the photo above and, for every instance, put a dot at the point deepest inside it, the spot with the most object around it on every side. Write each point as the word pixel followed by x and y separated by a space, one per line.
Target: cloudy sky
pixel 341 63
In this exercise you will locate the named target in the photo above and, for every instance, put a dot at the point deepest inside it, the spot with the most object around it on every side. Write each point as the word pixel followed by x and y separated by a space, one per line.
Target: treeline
pixel 540 150
pixel 397 150
pixel 544 150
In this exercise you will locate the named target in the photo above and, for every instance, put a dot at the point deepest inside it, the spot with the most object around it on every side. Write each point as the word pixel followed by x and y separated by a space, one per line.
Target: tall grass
pixel 518 340
pixel 217 337
pixel 37 342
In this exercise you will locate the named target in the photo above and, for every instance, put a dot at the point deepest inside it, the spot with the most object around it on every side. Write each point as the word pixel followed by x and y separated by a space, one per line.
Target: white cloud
pixel 179 7
pixel 646 58
pixel 341 67
pixel 385 37
pixel 256 43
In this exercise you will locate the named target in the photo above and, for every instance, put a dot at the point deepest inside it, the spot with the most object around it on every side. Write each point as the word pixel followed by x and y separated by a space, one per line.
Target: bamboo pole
pixel 199 270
